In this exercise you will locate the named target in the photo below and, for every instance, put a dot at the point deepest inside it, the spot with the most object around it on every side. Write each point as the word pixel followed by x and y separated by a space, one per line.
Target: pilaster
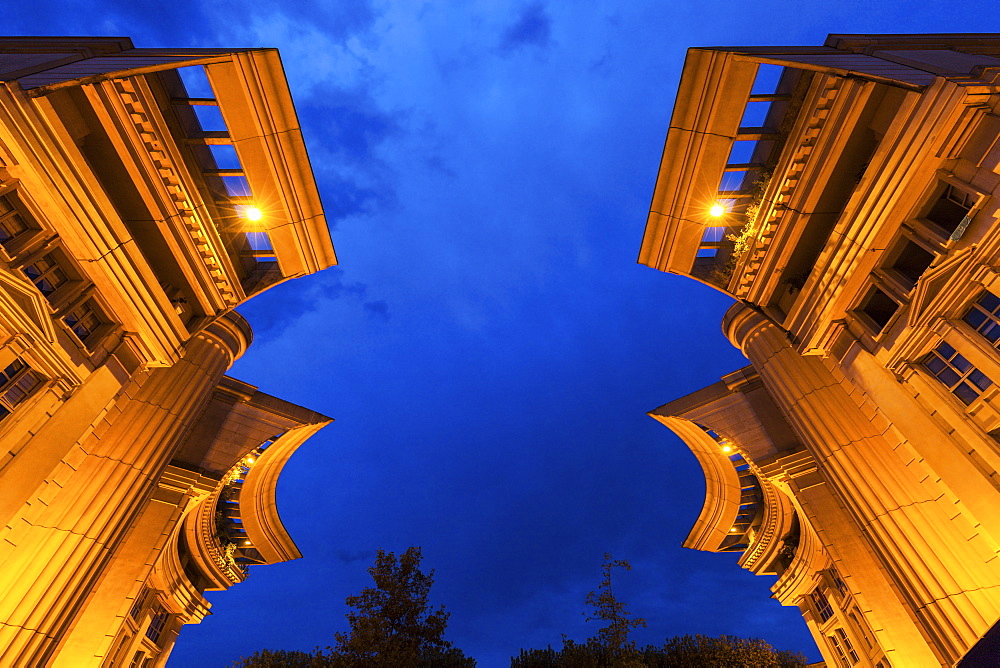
pixel 57 552
pixel 824 517
pixel 936 567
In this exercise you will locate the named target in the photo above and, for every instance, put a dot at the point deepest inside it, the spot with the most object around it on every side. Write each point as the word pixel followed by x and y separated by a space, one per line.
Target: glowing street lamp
pixel 253 213
pixel 717 210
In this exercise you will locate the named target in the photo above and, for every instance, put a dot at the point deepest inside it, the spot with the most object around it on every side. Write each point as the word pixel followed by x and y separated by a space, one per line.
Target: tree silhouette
pixel 393 624
pixel 611 647
pixel 613 637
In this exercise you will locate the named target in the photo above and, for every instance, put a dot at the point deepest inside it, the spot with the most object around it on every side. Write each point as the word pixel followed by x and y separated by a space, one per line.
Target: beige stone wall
pixel 121 258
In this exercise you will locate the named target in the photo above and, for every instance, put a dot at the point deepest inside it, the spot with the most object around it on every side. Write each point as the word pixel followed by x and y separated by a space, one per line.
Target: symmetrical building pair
pixel 144 193
pixel 856 188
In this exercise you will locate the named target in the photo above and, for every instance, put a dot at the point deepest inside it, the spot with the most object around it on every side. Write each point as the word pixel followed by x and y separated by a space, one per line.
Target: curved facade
pixel 860 239
pixel 135 473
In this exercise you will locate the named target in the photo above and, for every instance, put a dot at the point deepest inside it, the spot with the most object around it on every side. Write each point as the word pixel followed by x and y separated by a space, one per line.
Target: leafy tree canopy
pixel 392 626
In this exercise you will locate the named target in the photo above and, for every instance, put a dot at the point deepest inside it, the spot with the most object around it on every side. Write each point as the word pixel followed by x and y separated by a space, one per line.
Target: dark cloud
pixel 532 28
pixel 343 196
pixel 274 310
pixel 349 122
pixel 344 129
pixel 353 556
pixel 377 309
pixel 339 20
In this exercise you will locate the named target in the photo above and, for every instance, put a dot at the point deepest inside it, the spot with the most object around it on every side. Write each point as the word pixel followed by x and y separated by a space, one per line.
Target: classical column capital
pixel 743 323
pixel 231 331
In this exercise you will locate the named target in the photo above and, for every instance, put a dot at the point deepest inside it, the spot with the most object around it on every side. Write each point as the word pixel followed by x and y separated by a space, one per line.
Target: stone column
pixel 936 565
pixel 863 573
pixel 57 555
pixel 126 573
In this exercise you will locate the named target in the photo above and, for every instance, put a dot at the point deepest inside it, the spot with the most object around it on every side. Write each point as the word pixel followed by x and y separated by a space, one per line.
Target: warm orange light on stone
pixel 149 428
pixel 872 465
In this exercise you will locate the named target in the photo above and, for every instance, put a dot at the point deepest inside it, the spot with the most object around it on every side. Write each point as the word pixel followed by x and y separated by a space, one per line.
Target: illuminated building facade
pixel 857 457
pixel 144 193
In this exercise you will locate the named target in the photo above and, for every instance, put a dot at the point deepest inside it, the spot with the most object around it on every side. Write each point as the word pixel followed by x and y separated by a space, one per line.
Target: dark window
pixel 12 222
pixel 879 307
pixel 956 373
pixel 839 649
pixel 17 382
pixel 137 605
pixel 839 582
pixel 84 320
pixel 156 624
pixel 984 317
pixel 950 208
pixel 848 647
pixel 823 607
pixel 46 274
pixel 911 262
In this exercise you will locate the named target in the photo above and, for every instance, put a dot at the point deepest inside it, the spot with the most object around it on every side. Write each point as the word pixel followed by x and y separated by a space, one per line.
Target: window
pixel 17 382
pixel 12 222
pixel 84 320
pixel 823 607
pixel 137 605
pixel 156 624
pixel 909 262
pixel 950 209
pixel 137 659
pixel 46 274
pixel 861 626
pixel 839 582
pixel 956 373
pixel 848 647
pixel 879 307
pixel 839 649
pixel 984 317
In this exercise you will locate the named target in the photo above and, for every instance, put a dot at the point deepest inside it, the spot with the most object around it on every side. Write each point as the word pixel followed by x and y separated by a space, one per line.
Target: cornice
pixel 782 198
pixel 187 223
pixel 258 502
pixel 775 523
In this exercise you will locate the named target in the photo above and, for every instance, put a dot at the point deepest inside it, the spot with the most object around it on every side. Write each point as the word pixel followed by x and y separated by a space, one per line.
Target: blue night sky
pixel 488 346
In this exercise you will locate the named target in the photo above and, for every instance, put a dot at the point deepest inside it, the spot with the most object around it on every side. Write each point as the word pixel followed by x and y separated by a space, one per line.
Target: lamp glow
pixel 717 210
pixel 253 213
pixel 727 448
